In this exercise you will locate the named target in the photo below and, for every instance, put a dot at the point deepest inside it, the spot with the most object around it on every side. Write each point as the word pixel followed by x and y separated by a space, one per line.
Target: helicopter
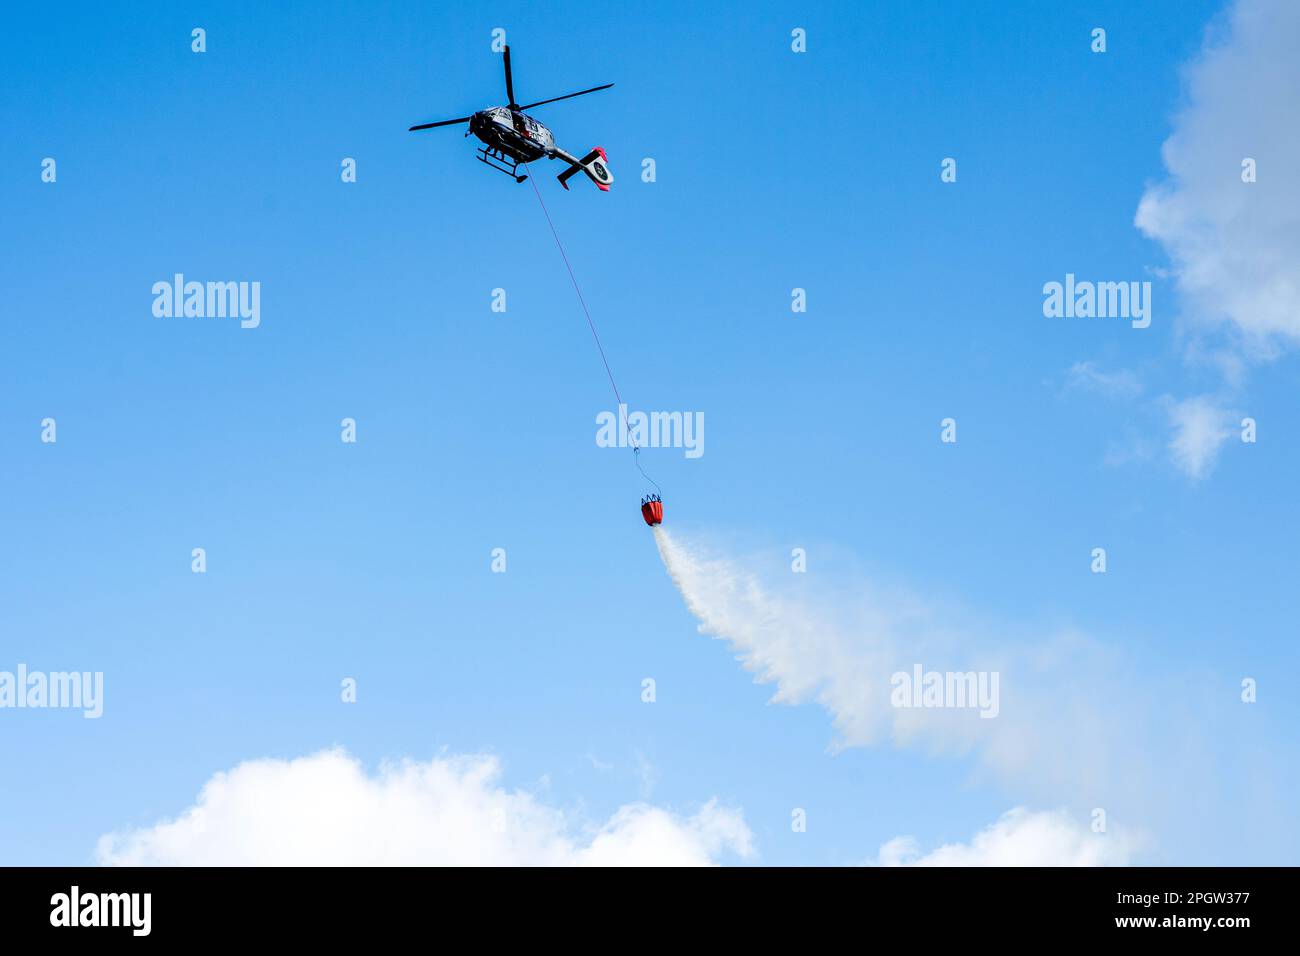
pixel 510 137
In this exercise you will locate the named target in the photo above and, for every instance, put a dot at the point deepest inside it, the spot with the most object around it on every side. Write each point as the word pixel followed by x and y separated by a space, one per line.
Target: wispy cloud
pixel 1201 426
pixel 1117 384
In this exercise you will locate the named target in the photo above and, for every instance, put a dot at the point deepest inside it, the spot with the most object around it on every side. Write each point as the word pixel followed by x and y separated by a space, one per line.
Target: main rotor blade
pixel 463 119
pixel 510 83
pixel 567 96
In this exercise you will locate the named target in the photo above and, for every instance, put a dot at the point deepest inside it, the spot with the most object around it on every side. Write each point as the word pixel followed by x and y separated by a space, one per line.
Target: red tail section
pixel 595 165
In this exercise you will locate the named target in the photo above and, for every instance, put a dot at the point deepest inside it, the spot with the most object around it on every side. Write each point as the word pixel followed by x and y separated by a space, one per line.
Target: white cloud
pixel 1201 426
pixel 1019 838
pixel 325 810
pixel 1235 246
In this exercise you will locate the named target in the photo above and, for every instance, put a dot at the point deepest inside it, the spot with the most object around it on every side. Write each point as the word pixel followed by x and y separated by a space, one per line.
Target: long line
pixel 576 288
pixel 636 451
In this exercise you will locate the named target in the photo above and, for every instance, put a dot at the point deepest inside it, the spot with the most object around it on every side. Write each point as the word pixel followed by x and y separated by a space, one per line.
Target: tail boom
pixel 595 165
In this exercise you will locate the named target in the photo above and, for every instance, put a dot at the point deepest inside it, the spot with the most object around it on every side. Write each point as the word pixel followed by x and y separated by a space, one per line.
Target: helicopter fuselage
pixel 512 132
pixel 511 137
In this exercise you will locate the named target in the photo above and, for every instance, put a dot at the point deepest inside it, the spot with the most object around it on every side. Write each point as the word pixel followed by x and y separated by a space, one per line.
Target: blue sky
pixel 775 170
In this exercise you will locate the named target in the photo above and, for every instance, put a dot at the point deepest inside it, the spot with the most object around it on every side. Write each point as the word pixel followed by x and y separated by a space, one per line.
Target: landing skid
pixel 499 160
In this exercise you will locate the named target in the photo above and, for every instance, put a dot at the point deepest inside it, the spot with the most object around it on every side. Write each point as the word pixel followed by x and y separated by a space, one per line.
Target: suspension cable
pixel 636 451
